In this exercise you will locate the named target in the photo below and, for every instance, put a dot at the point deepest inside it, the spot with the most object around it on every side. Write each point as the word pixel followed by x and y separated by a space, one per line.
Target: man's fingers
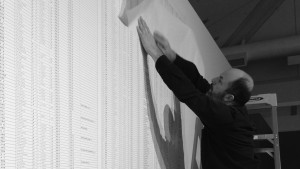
pixel 144 25
pixel 143 22
pixel 157 39
pixel 160 46
pixel 159 36
pixel 139 31
pixel 140 24
pixel 156 36
pixel 140 28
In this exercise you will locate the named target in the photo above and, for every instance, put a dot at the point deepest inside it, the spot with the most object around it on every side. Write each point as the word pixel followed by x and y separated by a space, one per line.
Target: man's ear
pixel 228 98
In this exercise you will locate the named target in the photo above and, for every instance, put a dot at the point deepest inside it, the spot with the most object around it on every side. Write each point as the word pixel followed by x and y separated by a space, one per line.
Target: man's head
pixel 233 87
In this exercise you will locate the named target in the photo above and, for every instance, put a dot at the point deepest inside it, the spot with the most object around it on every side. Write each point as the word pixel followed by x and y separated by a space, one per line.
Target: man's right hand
pixel 164 46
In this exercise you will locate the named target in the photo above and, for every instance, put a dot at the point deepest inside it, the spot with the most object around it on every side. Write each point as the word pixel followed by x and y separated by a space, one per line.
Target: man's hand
pixel 164 46
pixel 147 40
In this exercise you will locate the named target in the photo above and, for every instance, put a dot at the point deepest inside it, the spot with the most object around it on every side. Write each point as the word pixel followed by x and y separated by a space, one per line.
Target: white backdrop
pixel 48 81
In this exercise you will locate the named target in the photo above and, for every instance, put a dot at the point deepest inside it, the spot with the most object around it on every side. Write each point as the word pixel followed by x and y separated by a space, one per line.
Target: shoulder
pixel 241 118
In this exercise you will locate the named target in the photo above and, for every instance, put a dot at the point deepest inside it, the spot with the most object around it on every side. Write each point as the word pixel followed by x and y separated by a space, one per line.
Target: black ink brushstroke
pixel 171 149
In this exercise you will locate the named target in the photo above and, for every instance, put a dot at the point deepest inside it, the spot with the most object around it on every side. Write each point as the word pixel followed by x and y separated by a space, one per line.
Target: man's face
pixel 218 88
pixel 221 83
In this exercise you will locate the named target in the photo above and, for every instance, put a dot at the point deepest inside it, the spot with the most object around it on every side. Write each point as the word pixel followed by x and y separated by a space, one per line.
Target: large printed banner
pixel 168 146
pixel 144 125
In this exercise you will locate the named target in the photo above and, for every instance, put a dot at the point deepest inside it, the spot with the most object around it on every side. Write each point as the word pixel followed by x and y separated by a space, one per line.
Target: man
pixel 227 138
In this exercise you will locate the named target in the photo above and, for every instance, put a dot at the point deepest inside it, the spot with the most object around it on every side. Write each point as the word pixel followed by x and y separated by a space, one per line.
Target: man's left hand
pixel 147 40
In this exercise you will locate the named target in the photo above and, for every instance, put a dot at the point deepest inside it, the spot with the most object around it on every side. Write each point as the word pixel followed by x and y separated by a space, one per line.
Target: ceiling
pixel 266 33
pixel 235 22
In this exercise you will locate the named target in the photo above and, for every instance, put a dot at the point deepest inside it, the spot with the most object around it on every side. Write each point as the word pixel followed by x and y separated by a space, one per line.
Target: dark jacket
pixel 227 138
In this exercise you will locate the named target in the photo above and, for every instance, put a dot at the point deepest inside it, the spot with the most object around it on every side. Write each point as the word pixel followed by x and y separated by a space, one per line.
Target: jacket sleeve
pixel 191 71
pixel 210 111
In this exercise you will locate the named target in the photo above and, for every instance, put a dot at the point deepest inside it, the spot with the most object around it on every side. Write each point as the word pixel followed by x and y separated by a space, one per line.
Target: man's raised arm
pixel 187 67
